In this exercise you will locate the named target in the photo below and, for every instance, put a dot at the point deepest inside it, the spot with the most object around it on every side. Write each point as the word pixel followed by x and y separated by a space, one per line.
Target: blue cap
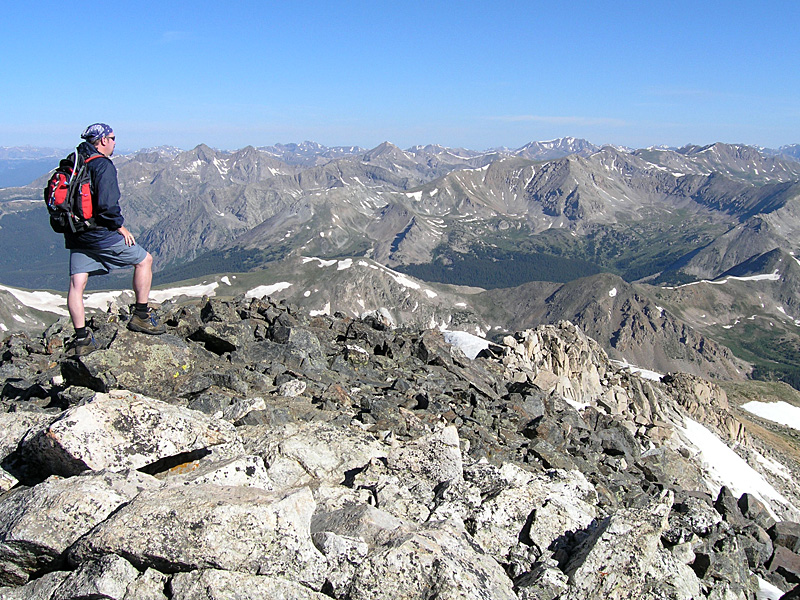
pixel 96 131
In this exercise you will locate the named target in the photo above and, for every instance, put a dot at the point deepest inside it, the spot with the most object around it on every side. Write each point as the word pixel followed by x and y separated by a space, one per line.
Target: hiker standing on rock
pixel 109 245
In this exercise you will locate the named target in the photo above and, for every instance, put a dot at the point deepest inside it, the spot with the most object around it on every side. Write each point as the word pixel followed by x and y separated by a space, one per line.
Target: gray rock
pixel 148 586
pixel 370 525
pixel 38 524
pixel 670 577
pixel 7 481
pixel 243 470
pixel 691 517
pixel 757 546
pixel 365 485
pixel 122 430
pixel 213 584
pixel 437 562
pixel 220 338
pixel 149 365
pixel 14 426
pixel 38 589
pixel 306 453
pixel 345 556
pixel 292 388
pixel 428 461
pixel 615 561
pixel 107 577
pixel 240 408
pixel 727 505
pixel 565 498
pixel 786 563
pixel 183 528
pixel 753 509
pixel 786 534
pixel 544 582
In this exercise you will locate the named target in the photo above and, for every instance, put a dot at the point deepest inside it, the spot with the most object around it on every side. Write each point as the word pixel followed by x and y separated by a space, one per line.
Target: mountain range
pixel 493 240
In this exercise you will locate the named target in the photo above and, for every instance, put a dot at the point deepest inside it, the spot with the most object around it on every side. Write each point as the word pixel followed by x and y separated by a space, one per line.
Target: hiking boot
pixel 84 346
pixel 148 324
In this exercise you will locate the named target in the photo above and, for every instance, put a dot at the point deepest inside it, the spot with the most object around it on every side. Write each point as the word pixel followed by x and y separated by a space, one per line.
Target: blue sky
pixel 470 74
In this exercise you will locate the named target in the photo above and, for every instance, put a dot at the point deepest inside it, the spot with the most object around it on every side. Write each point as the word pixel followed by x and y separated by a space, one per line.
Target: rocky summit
pixel 254 451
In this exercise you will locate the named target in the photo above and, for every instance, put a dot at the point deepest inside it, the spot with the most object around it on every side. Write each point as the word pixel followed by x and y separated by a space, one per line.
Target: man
pixel 109 246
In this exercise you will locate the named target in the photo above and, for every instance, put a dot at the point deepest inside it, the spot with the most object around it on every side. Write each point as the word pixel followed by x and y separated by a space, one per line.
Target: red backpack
pixel 68 195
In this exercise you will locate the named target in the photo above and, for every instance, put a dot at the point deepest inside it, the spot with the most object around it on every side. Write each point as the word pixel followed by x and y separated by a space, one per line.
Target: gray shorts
pixel 100 262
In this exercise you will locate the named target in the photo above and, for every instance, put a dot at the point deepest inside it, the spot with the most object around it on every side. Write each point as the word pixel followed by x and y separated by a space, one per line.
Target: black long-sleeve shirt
pixel 105 199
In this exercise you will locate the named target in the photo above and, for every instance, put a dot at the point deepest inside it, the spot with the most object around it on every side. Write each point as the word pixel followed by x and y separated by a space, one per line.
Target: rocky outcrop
pixel 269 454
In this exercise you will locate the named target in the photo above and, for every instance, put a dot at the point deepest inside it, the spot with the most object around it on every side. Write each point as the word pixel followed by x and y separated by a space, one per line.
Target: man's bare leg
pixel 77 312
pixel 143 279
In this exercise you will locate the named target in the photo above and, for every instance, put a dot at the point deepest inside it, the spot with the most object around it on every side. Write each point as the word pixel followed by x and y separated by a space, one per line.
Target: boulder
pixel 214 584
pixel 435 562
pixel 38 589
pixel 535 509
pixel 428 461
pixel 304 453
pixel 149 365
pixel 149 585
pixel 753 509
pixel 614 561
pixel 14 426
pixel 785 563
pixel 38 524
pixel 243 470
pixel 107 577
pixel 365 523
pixel 786 534
pixel 122 430
pixel 184 528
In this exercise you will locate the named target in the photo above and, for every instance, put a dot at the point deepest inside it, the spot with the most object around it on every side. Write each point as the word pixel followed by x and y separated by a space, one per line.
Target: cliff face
pixel 256 452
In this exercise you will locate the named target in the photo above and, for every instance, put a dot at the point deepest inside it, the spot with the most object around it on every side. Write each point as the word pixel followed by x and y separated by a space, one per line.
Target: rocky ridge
pixel 256 452
pixel 403 207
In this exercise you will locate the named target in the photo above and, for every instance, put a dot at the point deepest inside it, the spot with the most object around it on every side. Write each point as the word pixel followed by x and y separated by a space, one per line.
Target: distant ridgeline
pixel 554 211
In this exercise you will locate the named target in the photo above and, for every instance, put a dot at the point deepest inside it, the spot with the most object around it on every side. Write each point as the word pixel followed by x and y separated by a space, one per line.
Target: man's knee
pixel 78 281
pixel 147 262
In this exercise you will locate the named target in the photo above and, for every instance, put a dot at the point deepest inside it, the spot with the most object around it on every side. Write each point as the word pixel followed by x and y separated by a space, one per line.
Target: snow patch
pixel 415 195
pixel 780 412
pixel 225 280
pixel 643 373
pixel 612 292
pixel 208 289
pixel 322 263
pixel 725 467
pixel 404 281
pixel 344 264
pixel 767 591
pixel 470 344
pixel 267 290
pixel 39 300
pixel 774 276
pixel 326 310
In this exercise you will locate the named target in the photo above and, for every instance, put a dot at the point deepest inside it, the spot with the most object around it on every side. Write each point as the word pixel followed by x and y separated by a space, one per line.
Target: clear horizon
pixel 126 151
pixel 414 73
